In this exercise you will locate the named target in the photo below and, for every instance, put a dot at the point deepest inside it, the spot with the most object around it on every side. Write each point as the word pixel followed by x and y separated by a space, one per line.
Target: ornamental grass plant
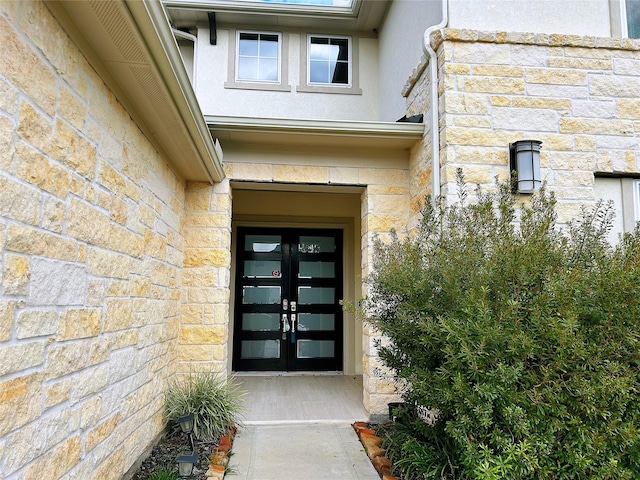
pixel 523 337
pixel 215 401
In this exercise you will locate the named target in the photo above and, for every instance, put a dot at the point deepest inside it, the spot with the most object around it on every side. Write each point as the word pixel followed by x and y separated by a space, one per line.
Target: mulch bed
pixel 166 451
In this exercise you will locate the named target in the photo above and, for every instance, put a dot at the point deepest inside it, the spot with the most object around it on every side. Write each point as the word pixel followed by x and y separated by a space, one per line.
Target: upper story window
pixel 257 61
pixel 633 18
pixel 329 61
pixel 258 57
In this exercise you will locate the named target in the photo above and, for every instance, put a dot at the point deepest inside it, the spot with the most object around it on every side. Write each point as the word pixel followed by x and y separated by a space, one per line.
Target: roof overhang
pixel 315 133
pixel 131 46
pixel 362 16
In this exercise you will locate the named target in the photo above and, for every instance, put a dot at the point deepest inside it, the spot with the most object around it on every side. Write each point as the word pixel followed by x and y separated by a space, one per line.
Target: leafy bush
pixel 522 337
pixel 216 403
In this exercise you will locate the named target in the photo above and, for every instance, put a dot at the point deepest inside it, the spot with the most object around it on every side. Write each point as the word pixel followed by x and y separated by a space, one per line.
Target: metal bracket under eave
pixel 213 34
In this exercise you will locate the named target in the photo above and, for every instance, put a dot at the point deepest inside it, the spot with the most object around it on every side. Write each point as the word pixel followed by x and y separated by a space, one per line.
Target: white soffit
pixel 315 133
pixel 362 16
pixel 131 46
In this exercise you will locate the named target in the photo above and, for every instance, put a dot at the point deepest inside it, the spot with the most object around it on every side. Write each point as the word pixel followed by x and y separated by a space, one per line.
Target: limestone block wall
pixel 91 252
pixel 577 94
pixel 204 330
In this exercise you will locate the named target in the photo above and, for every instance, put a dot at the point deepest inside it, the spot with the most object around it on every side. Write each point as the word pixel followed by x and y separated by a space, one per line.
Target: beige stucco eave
pixel 131 46
pixel 315 133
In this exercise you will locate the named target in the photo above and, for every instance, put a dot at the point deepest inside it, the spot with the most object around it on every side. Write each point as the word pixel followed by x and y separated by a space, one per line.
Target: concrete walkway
pixel 295 451
pixel 298 427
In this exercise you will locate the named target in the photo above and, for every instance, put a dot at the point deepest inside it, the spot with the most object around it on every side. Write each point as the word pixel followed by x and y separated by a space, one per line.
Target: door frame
pixel 288 361
pixel 352 353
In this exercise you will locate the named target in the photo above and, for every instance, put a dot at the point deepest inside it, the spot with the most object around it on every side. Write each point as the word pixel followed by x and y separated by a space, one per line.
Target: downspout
pixel 194 40
pixel 435 111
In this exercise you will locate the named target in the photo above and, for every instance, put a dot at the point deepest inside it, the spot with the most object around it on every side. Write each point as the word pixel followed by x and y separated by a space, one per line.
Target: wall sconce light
pixel 185 463
pixel 524 161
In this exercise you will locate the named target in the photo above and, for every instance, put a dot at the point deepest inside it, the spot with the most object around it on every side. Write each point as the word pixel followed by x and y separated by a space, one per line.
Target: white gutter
pixel 435 109
pixel 211 153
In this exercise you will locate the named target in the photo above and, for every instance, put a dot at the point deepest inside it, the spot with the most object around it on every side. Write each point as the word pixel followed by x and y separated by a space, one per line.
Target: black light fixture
pixel 186 461
pixel 524 161
pixel 186 423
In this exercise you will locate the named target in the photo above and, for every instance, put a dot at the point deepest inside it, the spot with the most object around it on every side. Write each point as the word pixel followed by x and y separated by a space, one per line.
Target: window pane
pixel 249 44
pixel 260 349
pixel 248 68
pixel 319 51
pixel 315 349
pixel 268 70
pixel 342 48
pixel 262 243
pixel 261 295
pixel 317 270
pixel 633 18
pixel 316 295
pixel 262 269
pixel 269 46
pixel 340 73
pixel 261 322
pixel 318 72
pixel 316 322
pixel 309 244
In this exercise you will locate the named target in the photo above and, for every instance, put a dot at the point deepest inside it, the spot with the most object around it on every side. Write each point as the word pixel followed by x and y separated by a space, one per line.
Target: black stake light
pixel 188 460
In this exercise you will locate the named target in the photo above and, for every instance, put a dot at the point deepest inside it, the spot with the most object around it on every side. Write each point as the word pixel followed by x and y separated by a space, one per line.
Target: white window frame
pixel 351 88
pixel 349 61
pixel 636 198
pixel 624 19
pixel 234 55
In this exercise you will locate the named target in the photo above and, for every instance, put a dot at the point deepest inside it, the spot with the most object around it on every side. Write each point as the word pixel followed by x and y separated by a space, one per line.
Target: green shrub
pixel 215 401
pixel 522 337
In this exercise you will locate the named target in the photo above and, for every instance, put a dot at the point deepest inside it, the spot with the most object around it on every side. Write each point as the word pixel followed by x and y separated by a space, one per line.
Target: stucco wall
pixel 400 50
pixel 571 17
pixel 91 252
pixel 212 73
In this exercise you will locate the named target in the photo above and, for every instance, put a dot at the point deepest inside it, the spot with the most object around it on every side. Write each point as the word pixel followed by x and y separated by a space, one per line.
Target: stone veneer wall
pixel 91 254
pixel 204 330
pixel 579 95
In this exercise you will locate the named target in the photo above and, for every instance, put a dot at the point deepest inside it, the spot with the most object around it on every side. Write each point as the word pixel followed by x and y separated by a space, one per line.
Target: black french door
pixel 287 311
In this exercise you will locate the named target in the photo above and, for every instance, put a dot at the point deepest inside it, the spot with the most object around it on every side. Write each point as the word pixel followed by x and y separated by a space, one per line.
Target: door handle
pixel 292 337
pixel 285 326
pixel 285 304
pixel 294 306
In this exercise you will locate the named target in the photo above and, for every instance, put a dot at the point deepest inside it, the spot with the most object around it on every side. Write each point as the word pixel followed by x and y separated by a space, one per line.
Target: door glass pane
pixel 262 269
pixel 260 349
pixel 315 349
pixel 316 322
pixel 313 244
pixel 310 295
pixel 262 243
pixel 261 295
pixel 261 322
pixel 317 270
